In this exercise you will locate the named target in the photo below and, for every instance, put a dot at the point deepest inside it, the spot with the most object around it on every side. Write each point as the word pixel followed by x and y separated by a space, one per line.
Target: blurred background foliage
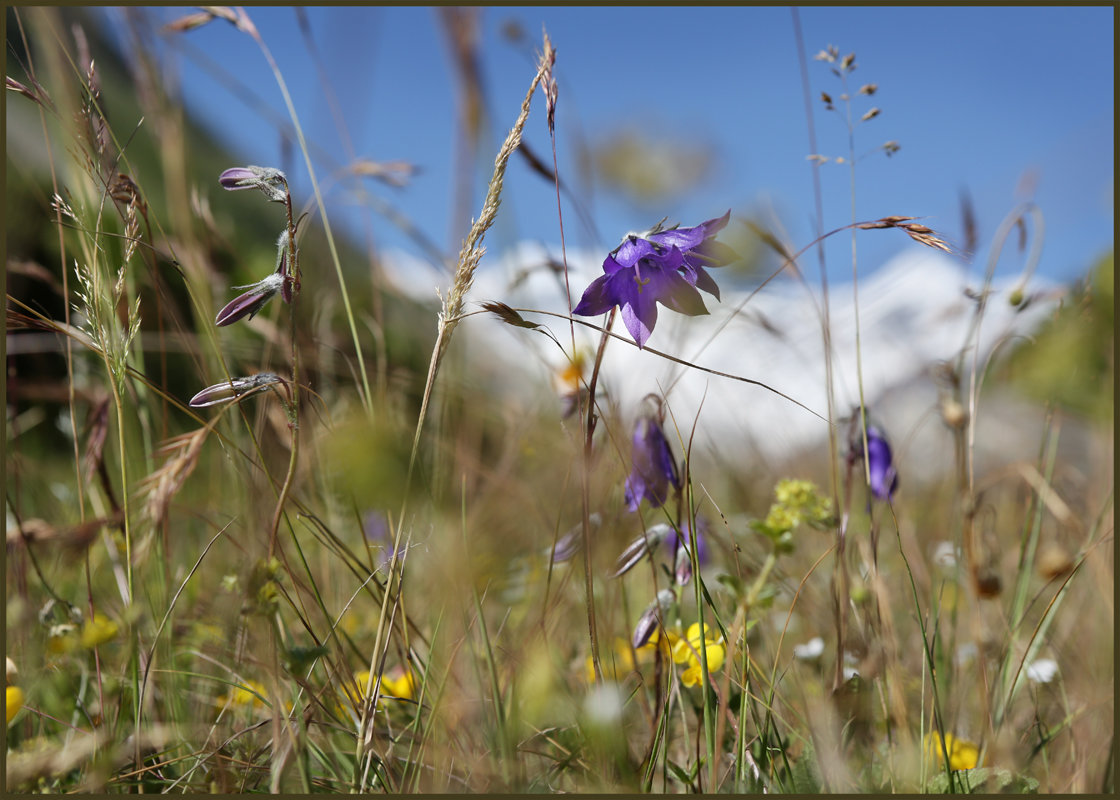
pixel 1071 359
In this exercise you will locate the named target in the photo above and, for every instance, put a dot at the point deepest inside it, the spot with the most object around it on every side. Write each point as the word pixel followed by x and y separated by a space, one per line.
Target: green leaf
pixel 983 780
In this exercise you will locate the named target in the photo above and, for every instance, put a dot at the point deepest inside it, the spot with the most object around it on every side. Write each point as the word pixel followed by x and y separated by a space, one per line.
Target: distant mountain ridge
pixel 914 313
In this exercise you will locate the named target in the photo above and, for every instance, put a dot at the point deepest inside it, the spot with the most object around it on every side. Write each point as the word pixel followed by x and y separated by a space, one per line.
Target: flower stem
pixel 589 434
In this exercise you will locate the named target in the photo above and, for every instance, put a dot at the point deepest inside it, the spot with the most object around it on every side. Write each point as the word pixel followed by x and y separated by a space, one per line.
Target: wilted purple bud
pixel 651 617
pixel 568 544
pixel 654 467
pixel 640 548
pixel 884 479
pixel 676 542
pixel 251 302
pixel 682 569
pixel 234 389
pixel 270 181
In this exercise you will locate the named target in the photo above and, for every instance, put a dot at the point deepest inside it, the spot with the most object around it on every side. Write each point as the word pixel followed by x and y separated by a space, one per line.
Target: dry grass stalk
pixel 95 442
pixel 72 538
pixel 919 233
pixel 163 484
pixel 472 250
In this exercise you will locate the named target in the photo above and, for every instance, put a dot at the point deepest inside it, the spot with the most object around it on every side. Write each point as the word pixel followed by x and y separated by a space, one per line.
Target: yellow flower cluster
pixel 797 502
pixel 686 650
pixel 682 649
pixel 963 754
pixel 400 686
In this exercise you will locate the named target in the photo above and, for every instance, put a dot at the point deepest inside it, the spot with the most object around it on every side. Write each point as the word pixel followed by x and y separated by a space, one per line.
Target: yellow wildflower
pixel 13 701
pixel 98 630
pixel 963 754
pixel 401 686
pixel 621 663
pixel 251 694
pixel 13 696
pixel 687 651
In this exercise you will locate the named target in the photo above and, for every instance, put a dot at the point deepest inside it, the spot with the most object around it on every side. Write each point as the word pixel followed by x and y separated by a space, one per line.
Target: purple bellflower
pixel 654 468
pixel 660 266
pixel 884 478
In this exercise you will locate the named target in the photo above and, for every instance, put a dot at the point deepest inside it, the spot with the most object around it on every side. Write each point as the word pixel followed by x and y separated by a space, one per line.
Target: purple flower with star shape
pixel 665 266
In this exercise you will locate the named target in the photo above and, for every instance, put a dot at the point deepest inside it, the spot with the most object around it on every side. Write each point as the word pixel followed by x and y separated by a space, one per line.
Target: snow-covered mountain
pixel 913 314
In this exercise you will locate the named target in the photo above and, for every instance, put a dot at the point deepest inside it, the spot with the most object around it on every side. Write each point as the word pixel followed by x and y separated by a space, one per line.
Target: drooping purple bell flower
pixel 654 468
pixel 659 266
pixel 884 478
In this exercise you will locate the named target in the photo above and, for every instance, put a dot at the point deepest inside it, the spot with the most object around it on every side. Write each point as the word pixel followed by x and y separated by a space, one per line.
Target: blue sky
pixel 978 98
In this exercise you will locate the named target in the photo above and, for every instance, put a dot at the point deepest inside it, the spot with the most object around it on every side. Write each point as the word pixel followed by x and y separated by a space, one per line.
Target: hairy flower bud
pixel 269 180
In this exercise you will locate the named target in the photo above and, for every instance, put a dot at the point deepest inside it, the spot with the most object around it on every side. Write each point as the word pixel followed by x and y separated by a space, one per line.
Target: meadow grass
pixel 349 567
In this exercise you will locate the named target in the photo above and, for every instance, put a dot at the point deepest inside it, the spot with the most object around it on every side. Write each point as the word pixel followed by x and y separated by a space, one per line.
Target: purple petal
pixel 640 315
pixel 681 238
pixel 711 253
pixel 238 178
pixel 884 479
pixel 702 280
pixel 214 394
pixel 632 250
pixel 598 298
pixel 247 304
pixel 690 238
pixel 675 293
pixel 654 467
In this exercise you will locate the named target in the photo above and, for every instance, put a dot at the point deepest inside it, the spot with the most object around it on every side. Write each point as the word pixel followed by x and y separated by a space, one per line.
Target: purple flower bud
pixel 651 617
pixel 269 180
pixel 654 467
pixel 676 542
pixel 569 544
pixel 682 570
pixel 251 301
pixel 238 178
pixel 234 389
pixel 640 548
